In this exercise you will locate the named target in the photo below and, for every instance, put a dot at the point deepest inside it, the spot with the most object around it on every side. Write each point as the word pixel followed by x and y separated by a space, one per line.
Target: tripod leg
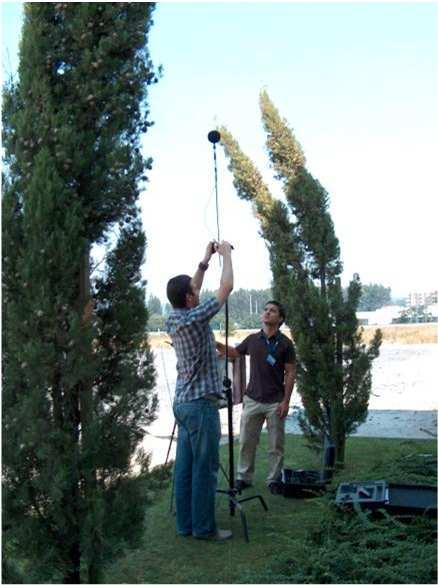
pixel 256 497
pixel 244 524
pixel 236 504
pixel 232 506
pixel 172 493
pixel 263 503
pixel 224 472
pixel 170 444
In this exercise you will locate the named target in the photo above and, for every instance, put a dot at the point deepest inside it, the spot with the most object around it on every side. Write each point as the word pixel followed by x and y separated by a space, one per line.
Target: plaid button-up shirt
pixel 195 347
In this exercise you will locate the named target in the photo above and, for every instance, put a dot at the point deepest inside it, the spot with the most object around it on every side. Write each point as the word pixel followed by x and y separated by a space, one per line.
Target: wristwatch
pixel 202 266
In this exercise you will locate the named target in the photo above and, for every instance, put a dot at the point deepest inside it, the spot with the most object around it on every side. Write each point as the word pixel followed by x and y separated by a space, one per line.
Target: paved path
pixel 404 377
pixel 397 424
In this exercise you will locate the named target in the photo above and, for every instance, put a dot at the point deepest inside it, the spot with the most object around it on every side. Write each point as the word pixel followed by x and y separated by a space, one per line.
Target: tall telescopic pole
pixel 229 394
pixel 214 137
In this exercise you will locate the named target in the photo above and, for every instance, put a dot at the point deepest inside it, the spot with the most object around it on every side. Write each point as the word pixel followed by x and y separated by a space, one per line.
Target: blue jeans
pixel 196 466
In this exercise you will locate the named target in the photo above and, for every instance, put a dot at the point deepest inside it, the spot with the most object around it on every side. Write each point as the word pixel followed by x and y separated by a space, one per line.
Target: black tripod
pixel 232 493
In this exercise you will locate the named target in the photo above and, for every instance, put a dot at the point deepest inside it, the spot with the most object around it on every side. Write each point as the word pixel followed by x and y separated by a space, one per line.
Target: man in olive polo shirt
pixel 267 397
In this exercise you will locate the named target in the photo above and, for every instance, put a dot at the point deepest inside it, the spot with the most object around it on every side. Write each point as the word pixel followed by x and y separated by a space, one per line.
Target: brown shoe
pixel 276 488
pixel 242 485
pixel 218 536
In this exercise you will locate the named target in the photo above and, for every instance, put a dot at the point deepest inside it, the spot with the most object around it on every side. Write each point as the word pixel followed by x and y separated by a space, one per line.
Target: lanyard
pixel 271 346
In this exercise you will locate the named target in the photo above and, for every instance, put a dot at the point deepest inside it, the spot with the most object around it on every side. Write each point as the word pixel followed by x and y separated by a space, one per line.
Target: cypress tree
pixel 78 375
pixel 334 373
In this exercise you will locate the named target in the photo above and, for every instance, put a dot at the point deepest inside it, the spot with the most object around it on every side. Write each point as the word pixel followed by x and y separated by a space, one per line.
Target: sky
pixel 357 83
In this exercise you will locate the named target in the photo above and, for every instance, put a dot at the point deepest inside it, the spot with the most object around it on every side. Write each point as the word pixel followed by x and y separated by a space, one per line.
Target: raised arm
pixel 198 277
pixel 227 280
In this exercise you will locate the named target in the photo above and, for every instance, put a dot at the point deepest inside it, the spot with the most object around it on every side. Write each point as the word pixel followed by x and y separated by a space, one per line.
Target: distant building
pixel 422 299
pixel 432 299
pixel 433 310
pixel 383 316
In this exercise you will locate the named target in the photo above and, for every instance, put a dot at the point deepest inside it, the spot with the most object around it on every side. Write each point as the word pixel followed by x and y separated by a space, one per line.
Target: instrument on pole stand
pixel 232 493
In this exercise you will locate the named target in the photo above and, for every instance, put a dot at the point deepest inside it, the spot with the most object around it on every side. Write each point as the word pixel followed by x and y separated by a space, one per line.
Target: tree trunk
pixel 94 565
pixel 86 311
pixel 73 496
pixel 77 414
pixel 337 428
pixel 339 432
pixel 88 475
pixel 322 278
pixel 340 451
pixel 73 574
pixel 58 413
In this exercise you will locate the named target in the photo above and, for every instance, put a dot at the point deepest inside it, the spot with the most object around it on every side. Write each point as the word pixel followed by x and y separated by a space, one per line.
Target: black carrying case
pixel 396 498
pixel 301 484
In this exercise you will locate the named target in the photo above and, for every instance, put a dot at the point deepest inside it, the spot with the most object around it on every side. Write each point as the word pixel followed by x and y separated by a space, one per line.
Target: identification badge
pixel 271 360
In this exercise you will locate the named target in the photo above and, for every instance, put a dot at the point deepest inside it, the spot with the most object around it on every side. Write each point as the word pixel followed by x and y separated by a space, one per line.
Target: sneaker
pixel 242 485
pixel 276 488
pixel 219 536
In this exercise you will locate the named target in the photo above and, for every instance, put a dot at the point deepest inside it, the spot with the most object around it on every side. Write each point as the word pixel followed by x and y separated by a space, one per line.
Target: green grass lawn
pixel 298 541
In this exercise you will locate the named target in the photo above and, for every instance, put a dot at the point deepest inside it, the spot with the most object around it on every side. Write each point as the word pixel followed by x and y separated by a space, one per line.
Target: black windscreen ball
pixel 214 136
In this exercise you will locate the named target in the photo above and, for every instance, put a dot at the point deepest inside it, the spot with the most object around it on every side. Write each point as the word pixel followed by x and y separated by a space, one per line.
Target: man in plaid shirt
pixel 198 389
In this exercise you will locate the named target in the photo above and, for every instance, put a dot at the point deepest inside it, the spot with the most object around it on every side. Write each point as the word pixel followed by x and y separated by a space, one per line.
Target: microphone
pixel 214 136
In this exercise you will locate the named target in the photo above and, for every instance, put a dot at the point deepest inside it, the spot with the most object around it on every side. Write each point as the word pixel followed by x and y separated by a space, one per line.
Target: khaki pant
pixel 254 415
